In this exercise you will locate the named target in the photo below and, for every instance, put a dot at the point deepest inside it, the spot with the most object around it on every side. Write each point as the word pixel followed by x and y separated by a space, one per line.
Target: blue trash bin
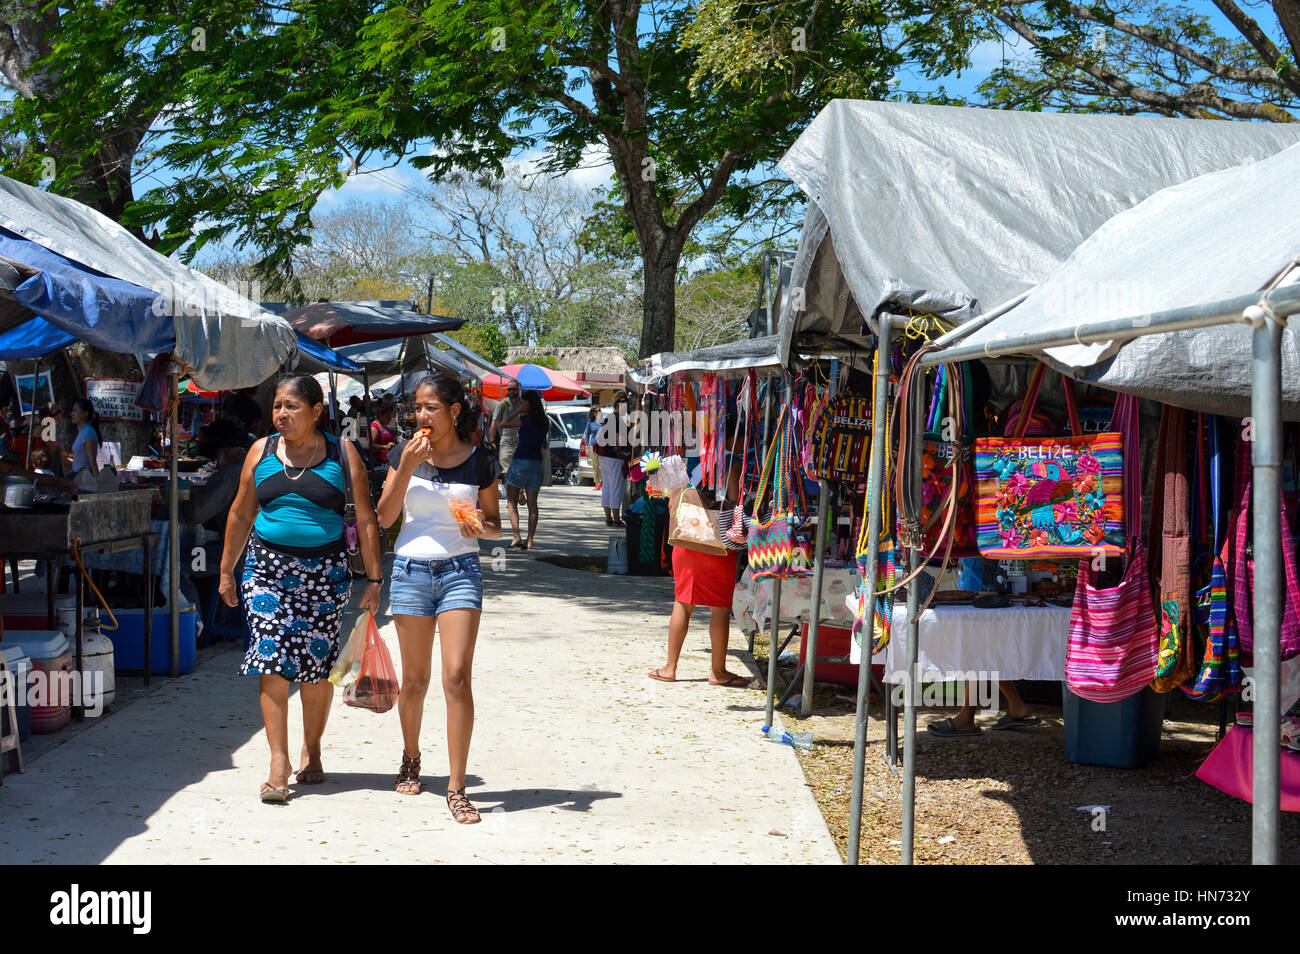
pixel 1124 734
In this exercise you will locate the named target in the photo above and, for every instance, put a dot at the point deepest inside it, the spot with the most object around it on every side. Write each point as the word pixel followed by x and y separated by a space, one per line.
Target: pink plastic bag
pixel 377 687
pixel 1229 768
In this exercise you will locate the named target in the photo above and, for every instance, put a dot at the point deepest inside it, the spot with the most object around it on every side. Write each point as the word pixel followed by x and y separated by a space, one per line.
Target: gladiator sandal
pixel 408 775
pixel 461 809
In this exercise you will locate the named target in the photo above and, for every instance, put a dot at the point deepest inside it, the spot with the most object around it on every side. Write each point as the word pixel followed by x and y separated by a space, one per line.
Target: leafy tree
pixel 1148 56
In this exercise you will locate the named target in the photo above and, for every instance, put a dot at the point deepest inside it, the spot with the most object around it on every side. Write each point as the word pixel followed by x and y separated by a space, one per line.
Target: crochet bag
pixel 775 550
pixel 1050 497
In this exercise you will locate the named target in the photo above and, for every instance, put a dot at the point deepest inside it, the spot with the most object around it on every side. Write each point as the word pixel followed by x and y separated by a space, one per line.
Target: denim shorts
pixel 525 473
pixel 430 587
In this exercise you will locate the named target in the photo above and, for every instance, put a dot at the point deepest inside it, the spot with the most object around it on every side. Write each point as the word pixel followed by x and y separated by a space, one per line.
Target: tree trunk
pixel 659 315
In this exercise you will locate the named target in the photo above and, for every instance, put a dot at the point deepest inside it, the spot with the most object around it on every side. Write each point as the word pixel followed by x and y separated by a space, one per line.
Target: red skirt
pixel 703 579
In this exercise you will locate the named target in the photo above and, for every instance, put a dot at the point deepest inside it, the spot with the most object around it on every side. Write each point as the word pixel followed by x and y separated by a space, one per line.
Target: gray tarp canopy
pixel 952 210
pixel 405 356
pixel 1215 237
pixel 225 340
pixel 729 360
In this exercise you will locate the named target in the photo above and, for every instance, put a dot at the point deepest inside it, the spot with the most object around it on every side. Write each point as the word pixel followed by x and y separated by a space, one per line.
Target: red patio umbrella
pixel 554 385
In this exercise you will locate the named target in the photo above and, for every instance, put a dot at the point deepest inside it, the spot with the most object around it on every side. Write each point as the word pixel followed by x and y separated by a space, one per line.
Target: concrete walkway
pixel 577 756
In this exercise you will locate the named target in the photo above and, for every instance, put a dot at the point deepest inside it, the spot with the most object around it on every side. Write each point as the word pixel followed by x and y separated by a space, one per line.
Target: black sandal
pixel 461 809
pixel 408 773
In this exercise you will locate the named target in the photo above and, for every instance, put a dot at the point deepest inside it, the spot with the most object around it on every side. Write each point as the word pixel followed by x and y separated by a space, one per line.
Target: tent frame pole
pixel 1266 460
pixel 824 516
pixel 174 531
pixel 879 407
pixel 31 428
pixel 774 632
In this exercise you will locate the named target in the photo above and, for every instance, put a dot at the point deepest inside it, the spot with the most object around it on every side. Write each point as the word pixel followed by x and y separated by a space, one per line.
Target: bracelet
pixel 379 582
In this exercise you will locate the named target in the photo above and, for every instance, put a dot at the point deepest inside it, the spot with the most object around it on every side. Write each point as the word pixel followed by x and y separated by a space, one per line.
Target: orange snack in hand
pixel 466 514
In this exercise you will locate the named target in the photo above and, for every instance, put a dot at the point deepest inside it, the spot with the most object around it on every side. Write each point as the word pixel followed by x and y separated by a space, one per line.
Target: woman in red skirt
pixel 703 579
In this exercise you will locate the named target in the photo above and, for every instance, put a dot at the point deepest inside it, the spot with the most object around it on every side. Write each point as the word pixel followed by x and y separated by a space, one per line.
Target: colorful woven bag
pixel 840 439
pixel 1171 551
pixel 1111 654
pixel 775 550
pixel 876 598
pixel 1241 569
pixel 1220 670
pixel 1050 497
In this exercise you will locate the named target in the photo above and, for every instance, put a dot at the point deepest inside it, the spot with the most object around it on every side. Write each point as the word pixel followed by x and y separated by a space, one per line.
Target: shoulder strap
pixel 1216 469
pixel 269 447
pixel 1072 406
pixel 1027 403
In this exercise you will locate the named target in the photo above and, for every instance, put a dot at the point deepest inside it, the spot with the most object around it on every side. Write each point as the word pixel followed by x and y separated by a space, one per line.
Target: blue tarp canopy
pixel 37 338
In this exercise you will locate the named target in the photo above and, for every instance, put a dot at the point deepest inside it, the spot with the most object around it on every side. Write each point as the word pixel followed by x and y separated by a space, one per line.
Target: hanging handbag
pixel 775 551
pixel 1220 670
pixel 937 450
pixel 352 540
pixel 1050 497
pixel 1171 550
pixel 1021 418
pixel 876 597
pixel 1111 653
pixel 840 439
pixel 1241 569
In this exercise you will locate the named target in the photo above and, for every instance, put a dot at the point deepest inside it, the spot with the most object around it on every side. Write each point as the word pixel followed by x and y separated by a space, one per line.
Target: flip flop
pixel 735 682
pixel 270 795
pixel 655 675
pixel 1007 722
pixel 298 776
pixel 946 730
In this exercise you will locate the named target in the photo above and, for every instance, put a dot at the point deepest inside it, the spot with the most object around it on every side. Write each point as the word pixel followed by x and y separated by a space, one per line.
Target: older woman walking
pixel 445 488
pixel 295 580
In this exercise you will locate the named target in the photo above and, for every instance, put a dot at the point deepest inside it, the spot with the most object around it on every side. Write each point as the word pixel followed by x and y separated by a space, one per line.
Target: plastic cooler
pixel 28 612
pixel 128 639
pixel 1124 734
pixel 834 641
pixel 50 652
pixel 19 666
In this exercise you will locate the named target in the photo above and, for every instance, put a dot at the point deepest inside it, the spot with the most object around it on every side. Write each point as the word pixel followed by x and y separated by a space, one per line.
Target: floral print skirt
pixel 294 606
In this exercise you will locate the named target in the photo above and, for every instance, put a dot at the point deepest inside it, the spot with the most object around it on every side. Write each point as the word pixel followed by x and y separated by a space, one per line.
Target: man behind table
pixel 506 438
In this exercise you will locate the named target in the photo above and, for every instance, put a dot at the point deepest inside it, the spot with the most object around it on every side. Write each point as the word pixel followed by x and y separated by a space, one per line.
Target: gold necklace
pixel 284 465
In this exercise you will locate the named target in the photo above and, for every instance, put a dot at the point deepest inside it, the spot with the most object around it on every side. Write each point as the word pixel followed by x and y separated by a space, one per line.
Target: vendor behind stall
pixel 85 446
pixel 210 503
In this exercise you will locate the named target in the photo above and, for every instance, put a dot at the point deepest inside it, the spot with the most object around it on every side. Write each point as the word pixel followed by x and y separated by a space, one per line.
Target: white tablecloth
pixel 1020 642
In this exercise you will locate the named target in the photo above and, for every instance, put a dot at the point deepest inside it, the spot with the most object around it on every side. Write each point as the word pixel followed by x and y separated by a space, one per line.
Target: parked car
pixel 569 465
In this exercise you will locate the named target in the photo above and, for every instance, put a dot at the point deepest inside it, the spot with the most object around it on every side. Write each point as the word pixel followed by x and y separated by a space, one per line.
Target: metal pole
pixel 872 516
pixel 819 566
pixel 772 649
pixel 174 539
pixel 31 429
pixel 913 679
pixel 1266 504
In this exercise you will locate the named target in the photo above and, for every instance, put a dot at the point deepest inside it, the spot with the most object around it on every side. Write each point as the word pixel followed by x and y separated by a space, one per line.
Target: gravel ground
pixel 1011 797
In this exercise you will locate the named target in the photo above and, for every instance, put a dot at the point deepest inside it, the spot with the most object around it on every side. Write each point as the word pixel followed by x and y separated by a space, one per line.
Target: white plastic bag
pixel 348 668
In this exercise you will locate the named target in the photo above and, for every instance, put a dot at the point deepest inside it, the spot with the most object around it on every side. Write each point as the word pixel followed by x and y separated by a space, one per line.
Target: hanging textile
pixel 1171 550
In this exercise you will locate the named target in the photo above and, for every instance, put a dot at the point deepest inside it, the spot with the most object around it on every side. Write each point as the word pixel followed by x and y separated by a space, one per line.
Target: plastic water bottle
pixel 800 740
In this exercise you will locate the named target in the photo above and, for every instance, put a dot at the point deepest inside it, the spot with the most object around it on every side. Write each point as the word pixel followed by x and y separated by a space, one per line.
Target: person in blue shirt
pixel 525 473
pixel 295 580
pixel 85 446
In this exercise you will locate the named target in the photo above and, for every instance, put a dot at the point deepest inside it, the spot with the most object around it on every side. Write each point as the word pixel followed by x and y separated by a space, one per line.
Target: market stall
pixel 69 268
pixel 1015 194
pixel 1220 311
